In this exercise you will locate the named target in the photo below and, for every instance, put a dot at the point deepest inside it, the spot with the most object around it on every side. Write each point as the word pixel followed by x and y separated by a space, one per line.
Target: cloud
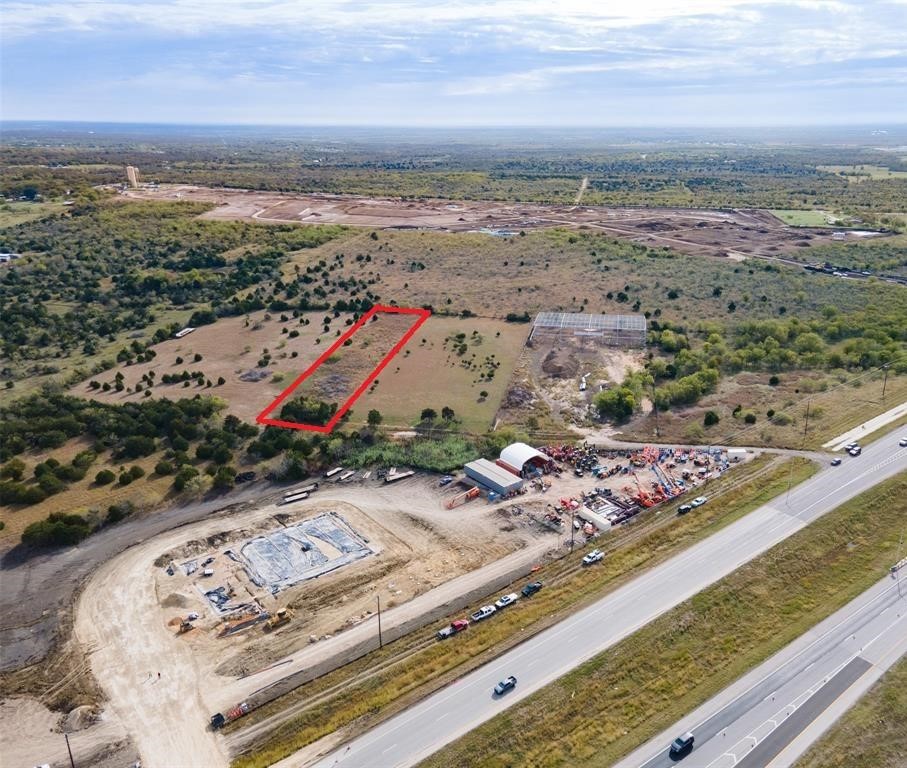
pixel 441 57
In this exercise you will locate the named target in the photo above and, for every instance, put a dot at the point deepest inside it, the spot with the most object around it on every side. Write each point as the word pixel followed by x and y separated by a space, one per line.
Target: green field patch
pixel 861 172
pixel 809 218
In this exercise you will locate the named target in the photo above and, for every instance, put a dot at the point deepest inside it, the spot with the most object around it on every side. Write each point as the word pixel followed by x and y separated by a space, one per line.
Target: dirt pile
pixel 560 364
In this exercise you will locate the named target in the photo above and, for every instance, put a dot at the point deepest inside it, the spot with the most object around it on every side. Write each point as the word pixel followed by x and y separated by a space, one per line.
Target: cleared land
pixel 872 733
pixel 430 371
pixel 699 231
pixel 644 683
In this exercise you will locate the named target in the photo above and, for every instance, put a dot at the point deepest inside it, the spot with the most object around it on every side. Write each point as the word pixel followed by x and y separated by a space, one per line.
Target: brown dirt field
pixel 230 348
pixel 338 377
pixel 700 231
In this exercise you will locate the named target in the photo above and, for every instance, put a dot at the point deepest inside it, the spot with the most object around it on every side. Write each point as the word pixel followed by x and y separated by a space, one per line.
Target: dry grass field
pixel 570 271
pixel 430 371
pixel 84 497
pixel 836 403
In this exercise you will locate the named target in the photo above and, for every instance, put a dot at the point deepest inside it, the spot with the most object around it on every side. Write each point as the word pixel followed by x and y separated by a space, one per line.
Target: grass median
pixel 364 696
pixel 610 705
pixel 873 734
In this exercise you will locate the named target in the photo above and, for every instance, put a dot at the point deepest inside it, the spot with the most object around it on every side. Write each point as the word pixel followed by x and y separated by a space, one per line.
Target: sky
pixel 455 63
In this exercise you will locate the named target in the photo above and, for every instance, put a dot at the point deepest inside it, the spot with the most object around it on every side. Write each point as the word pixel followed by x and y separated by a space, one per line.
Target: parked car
pixel 530 589
pixel 578 472
pixel 684 508
pixel 851 446
pixel 507 600
pixel 455 626
pixel 699 501
pixel 593 557
pixel 902 442
pixel 836 462
pixel 855 451
pixel 507 684
pixel 446 480
pixel 244 477
pixel 483 613
pixel 682 745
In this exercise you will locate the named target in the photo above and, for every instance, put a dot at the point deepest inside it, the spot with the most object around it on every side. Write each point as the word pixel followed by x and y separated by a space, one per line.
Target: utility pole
pixel 885 380
pixel 806 425
pixel 380 640
pixel 69 749
pixel 572 528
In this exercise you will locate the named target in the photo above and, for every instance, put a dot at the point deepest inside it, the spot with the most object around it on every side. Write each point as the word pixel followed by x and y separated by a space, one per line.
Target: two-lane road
pixel 426 727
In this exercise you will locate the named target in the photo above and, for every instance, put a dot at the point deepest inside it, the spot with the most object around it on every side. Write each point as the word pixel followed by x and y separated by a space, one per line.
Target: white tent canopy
pixel 517 454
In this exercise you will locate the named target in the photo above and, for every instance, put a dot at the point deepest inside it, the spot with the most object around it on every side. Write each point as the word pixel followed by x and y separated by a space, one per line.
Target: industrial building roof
pixel 494 472
pixel 580 322
pixel 517 454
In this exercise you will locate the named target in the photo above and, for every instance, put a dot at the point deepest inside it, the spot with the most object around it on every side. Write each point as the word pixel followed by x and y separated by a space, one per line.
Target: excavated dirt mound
pixel 560 364
pixel 79 719
pixel 517 397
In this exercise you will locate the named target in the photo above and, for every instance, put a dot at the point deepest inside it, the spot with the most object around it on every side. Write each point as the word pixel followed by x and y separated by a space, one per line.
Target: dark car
pixel 681 746
pixel 244 477
pixel 836 462
pixel 218 721
pixel 683 509
pixel 530 589
pixel 505 685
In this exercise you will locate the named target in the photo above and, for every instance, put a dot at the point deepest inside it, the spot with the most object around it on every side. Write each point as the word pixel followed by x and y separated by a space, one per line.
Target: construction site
pixel 726 233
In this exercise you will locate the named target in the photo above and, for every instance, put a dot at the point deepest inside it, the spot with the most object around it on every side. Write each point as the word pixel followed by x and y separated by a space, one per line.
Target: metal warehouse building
pixel 492 476
pixel 611 330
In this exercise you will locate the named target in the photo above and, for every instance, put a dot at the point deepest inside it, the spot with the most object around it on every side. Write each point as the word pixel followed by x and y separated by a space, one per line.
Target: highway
pixel 466 703
pixel 772 714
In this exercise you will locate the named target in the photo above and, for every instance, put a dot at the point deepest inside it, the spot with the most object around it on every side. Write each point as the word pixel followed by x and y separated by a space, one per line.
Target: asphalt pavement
pixel 762 719
pixel 466 703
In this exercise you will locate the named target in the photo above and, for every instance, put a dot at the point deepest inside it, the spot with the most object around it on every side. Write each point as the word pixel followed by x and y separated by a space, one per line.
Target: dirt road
pixel 38 591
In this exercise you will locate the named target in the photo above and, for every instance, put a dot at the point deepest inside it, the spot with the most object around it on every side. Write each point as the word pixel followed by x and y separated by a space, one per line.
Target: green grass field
pixel 363 693
pixel 23 212
pixel 797 218
pixel 860 172
pixel 613 703
pixel 873 734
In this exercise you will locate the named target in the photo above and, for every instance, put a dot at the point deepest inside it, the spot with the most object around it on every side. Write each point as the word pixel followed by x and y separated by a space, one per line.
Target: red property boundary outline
pixel 263 417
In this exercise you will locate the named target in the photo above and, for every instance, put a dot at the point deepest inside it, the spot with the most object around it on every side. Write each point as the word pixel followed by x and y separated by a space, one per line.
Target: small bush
pixel 104 477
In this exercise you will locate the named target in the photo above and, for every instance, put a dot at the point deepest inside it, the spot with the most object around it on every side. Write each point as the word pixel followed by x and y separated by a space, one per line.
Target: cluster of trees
pixel 112 267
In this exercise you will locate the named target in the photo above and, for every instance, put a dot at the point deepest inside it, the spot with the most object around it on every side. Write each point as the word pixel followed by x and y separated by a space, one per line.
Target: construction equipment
pixel 462 498
pixel 185 626
pixel 281 617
